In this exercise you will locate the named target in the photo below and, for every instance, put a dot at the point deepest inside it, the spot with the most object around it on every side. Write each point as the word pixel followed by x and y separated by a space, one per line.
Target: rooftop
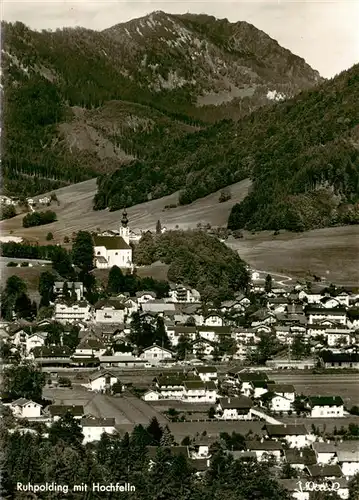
pixel 111 242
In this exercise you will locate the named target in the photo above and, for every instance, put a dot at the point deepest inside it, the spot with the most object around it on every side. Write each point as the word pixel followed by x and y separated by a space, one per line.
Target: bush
pixel 49 236
pixel 24 264
pixel 64 382
pixel 39 218
pixel 354 410
pixel 7 212
pixel 11 264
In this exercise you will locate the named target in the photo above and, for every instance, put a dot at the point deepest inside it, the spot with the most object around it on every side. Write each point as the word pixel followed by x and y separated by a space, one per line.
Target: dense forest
pixel 63 89
pixel 39 218
pixel 196 260
pixel 302 155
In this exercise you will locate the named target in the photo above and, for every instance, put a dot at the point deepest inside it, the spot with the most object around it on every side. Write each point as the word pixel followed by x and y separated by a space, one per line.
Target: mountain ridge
pixel 78 103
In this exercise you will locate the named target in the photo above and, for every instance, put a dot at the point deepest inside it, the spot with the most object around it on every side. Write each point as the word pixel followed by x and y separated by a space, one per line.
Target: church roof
pixel 111 242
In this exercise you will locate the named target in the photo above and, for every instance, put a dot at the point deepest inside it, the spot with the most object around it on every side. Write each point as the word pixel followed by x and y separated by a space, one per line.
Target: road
pixel 34 262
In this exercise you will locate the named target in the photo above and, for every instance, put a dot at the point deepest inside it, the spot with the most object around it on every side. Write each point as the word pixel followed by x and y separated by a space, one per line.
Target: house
pixel 71 312
pixel 213 320
pixel 207 373
pixel 299 459
pixel 101 381
pixel 45 200
pixel 338 314
pixel 278 403
pixel 25 408
pixel 202 348
pixel 285 390
pixel 194 391
pixel 200 447
pixel 56 356
pixel 181 293
pixel 35 340
pixel 324 471
pixel 330 302
pixel 109 311
pixel 77 287
pixel 154 354
pixel 158 306
pixel 338 336
pixel 340 360
pixel 114 250
pixel 258 388
pixel 296 436
pixel 175 332
pixel 58 411
pixel 143 297
pixel 213 333
pixel 292 487
pixel 93 428
pixel 151 395
pixel 171 387
pixel 326 406
pixel 245 380
pixel 265 449
pixel 310 297
pixel 325 453
pixel 348 457
pixel 120 360
pixel 90 347
pixel 238 408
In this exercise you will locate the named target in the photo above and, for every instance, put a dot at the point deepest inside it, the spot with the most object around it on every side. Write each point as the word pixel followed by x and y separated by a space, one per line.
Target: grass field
pixel 332 253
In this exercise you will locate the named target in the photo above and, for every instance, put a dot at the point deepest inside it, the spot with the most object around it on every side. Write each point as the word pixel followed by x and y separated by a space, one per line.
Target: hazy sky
pixel 325 33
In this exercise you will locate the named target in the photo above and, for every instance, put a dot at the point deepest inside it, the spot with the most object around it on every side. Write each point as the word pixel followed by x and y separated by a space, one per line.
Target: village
pixel 207 376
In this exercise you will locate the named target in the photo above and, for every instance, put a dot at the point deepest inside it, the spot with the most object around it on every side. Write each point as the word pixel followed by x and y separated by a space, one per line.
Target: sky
pixel 324 33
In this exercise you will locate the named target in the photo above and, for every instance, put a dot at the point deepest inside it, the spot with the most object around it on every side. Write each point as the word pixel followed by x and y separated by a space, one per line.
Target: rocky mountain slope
pixel 78 103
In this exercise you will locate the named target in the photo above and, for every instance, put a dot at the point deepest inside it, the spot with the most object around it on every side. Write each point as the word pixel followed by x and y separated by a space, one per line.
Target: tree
pixel 264 350
pixel 24 308
pixel 166 439
pixel 66 430
pixel 183 346
pixel 158 227
pixel 65 291
pixel 160 334
pixel 7 212
pixel 83 251
pixel 225 195
pixel 71 338
pixel 66 240
pixel 300 349
pixel 155 431
pixel 268 283
pixel 46 288
pixel 23 381
pixel 116 280
pixel 49 236
pixel 14 289
pixel 61 262
pixel 211 413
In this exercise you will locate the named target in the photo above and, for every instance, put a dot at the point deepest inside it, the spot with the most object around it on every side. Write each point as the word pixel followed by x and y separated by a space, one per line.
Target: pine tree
pixel 65 290
pixel 167 439
pixel 268 283
pixel 158 227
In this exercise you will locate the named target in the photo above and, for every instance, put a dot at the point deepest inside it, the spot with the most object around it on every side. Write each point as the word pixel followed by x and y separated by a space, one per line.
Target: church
pixel 114 250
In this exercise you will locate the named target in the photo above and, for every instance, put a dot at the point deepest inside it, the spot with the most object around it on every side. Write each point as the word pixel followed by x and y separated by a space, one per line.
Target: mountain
pixel 79 103
pixel 301 154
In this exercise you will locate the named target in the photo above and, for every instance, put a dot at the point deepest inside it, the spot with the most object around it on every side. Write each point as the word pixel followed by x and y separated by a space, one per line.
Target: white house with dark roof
pixel 315 314
pixel 207 373
pixel 77 287
pixel 25 408
pixel 101 381
pixel 90 347
pixel 213 320
pixel 325 453
pixel 93 428
pixel 297 436
pixel 237 408
pixel 184 294
pixel 58 411
pixel 114 250
pixel 348 459
pixel 144 296
pixel 326 406
pixel 35 340
pixel 67 311
pixel 285 390
pixel 155 353
pixel 265 449
pixel 109 311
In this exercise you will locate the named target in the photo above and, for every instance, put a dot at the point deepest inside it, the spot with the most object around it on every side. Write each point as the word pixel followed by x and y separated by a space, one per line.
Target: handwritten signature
pixel 312 486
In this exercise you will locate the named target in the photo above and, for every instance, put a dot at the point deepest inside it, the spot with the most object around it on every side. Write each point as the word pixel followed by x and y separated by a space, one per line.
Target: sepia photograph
pixel 179 250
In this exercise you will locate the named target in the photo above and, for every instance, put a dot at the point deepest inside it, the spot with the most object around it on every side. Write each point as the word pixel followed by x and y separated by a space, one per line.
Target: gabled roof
pixel 99 374
pixel 110 303
pixel 91 344
pixel 286 430
pixel 206 369
pixel 98 422
pixel 281 388
pixel 111 242
pixel 194 385
pixel 348 455
pixel 264 445
pixel 325 401
pixel 305 457
pixel 325 471
pixel 324 447
pixel 23 402
pixel 239 403
pixel 60 410
pixel 51 352
pixel 249 377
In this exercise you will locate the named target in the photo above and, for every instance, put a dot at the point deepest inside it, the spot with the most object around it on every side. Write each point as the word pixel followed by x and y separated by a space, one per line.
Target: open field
pixel 344 385
pixel 75 213
pixel 332 253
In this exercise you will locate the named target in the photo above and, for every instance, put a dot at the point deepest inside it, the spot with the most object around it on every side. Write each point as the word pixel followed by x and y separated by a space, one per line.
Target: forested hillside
pixel 78 103
pixel 302 155
pixel 196 260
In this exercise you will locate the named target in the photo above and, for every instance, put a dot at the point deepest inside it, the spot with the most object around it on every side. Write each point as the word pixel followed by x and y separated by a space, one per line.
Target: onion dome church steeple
pixel 124 220
pixel 124 230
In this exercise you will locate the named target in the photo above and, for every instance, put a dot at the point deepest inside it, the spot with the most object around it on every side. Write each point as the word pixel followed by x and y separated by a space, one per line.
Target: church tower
pixel 124 230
